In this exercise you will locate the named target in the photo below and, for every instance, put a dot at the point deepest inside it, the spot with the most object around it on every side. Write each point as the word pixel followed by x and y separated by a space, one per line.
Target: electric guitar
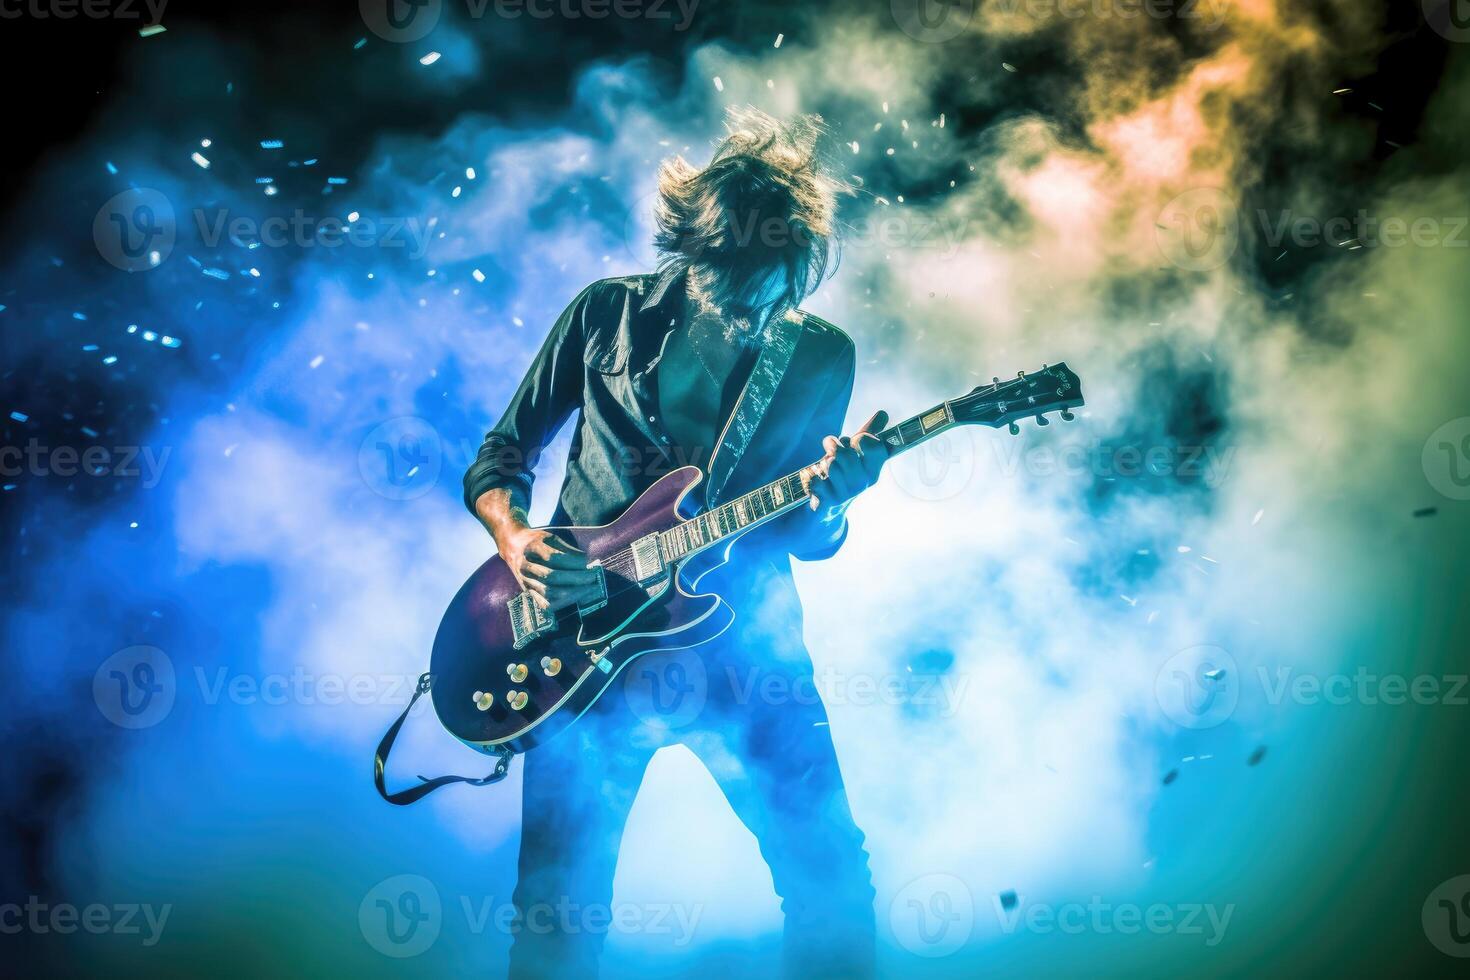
pixel 508 675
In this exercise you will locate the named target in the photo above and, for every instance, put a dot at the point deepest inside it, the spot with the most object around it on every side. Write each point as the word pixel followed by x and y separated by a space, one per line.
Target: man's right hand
pixel 552 570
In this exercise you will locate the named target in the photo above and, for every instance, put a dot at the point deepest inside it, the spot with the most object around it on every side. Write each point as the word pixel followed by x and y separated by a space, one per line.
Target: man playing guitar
pixel 664 370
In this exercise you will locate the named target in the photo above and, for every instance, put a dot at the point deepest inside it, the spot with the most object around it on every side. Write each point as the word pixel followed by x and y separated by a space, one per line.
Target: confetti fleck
pixel 200 159
pixel 316 362
pixel 1426 512
pixel 430 58
pixel 1008 66
pixel 779 39
pixel 719 84
pixel 151 30
pixel 1256 756
pixel 20 416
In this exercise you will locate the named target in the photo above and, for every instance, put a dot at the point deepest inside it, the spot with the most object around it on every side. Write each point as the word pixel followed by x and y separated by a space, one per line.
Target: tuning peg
pixel 1042 420
pixel 1021 375
pixel 995 380
pixel 1067 415
pixel 1015 429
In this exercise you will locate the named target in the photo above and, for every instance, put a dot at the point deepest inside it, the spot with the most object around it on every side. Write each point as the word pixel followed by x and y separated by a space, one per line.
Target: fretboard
pixel 785 494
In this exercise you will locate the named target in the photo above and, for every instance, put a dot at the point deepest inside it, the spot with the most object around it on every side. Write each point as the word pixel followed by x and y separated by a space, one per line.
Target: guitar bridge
pixel 528 620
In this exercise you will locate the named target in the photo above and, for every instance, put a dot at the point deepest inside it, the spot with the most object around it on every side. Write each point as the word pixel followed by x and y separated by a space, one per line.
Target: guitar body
pixel 474 650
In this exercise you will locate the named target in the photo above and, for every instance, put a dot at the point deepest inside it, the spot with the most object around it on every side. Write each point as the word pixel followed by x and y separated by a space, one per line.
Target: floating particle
pixel 337 181
pixel 1215 675
pixel 1008 66
pixel 271 191
pixel 353 216
pixel 518 321
pixel 361 43
pixel 779 39
pixel 149 336
pixel 200 159
pixel 1007 900
pixel 469 173
pixel 168 341
pixel 1376 106
pixel 1279 257
pixel 478 275
pixel 254 272
pixel 219 274
pixel 1257 519
pixel 854 145
pixel 206 143
pixel 1341 91
pixel 79 316
pixel 890 151
pixel 149 31
pixel 20 416
pixel 1183 549
pixel 941 120
pixel 430 58
pixel 770 83
pixel 89 347
pixel 457 191
pixel 719 84
pixel 1128 599
pixel 1256 756
pixel 272 145
pixel 1426 512
pixel 265 180
pixel 1170 776
pixel 111 168
pixel 316 362
pixel 89 432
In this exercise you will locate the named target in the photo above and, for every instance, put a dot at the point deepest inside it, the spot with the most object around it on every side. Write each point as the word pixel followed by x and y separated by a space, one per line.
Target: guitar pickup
pixel 528 620
pixel 599 602
pixel 648 560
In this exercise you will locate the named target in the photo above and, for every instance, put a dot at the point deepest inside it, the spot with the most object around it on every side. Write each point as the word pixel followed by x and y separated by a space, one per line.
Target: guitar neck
pixel 788 493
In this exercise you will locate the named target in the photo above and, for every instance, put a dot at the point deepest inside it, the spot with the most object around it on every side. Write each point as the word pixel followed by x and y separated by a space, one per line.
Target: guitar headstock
pixel 1054 388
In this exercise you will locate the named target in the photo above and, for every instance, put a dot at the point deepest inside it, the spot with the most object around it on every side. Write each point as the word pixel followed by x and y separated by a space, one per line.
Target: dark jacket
pixel 600 358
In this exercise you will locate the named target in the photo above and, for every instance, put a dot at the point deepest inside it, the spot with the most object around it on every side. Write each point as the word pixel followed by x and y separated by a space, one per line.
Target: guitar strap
pixel 426 786
pixel 760 388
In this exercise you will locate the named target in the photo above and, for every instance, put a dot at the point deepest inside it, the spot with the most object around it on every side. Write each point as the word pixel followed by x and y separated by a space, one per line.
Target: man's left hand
pixel 850 466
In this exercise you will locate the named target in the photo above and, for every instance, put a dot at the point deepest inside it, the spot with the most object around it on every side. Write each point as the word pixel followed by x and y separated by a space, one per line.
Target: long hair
pixel 763 204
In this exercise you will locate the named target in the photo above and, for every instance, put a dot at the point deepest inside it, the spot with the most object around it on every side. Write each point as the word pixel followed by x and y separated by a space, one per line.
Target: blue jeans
pixel 761 731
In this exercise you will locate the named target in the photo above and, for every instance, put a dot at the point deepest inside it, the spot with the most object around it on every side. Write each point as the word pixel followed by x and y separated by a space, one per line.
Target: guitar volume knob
pixel 517 699
pixel 551 665
pixel 483 700
pixel 517 672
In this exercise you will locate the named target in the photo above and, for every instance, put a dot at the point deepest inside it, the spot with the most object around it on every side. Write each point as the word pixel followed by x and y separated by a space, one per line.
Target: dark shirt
pixel 601 359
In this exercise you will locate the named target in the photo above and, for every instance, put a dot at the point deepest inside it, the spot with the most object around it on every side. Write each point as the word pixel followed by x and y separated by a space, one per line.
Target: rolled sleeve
pixel 546 398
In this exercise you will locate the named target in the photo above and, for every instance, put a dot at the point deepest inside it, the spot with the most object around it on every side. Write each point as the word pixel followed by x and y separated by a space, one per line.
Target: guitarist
pixel 655 367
